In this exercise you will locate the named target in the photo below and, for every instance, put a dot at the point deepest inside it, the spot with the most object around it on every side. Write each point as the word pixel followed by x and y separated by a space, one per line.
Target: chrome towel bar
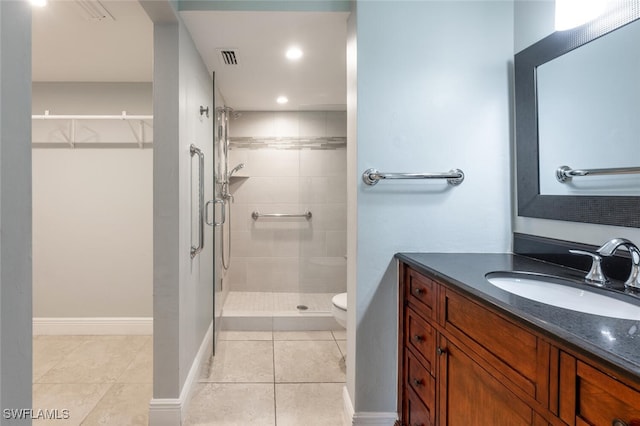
pixel 453 177
pixel 566 173
pixel 255 215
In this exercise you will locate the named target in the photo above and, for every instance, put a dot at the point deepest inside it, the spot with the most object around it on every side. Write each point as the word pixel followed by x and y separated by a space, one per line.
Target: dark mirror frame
pixel 605 210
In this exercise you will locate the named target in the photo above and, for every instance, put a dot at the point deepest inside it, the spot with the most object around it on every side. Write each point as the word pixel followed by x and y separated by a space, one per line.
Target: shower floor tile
pixel 270 302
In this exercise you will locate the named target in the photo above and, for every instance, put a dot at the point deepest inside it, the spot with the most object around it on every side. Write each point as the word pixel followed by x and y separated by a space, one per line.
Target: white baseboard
pixel 347 405
pixel 93 326
pixel 374 419
pixel 350 418
pixel 172 411
pixel 165 412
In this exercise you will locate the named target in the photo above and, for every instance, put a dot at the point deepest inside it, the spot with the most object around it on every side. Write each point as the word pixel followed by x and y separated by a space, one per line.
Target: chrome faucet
pixel 595 274
pixel 611 246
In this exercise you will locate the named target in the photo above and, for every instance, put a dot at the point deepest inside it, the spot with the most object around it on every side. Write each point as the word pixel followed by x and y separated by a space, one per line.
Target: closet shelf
pixel 138 126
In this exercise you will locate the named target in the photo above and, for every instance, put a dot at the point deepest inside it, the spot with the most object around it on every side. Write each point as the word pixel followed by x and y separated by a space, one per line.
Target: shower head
pixel 235 169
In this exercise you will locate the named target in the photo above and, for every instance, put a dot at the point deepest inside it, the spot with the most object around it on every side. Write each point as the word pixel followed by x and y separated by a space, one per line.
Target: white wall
pixel 432 94
pixel 534 20
pixel 92 208
pixel 15 207
pixel 289 255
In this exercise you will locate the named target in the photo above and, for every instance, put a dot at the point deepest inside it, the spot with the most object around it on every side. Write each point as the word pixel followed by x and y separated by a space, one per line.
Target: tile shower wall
pixel 294 162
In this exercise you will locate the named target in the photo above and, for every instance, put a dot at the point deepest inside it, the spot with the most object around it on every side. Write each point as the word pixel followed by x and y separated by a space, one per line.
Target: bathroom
pixel 430 118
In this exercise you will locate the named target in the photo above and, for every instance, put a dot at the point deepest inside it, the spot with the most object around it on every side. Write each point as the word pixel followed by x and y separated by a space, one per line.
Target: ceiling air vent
pixel 93 10
pixel 228 56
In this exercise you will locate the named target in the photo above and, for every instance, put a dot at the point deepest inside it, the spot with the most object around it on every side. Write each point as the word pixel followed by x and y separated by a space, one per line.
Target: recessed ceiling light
pixel 39 3
pixel 294 53
pixel 282 100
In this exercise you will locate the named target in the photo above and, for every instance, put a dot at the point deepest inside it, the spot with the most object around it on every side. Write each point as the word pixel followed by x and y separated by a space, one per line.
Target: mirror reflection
pixel 589 115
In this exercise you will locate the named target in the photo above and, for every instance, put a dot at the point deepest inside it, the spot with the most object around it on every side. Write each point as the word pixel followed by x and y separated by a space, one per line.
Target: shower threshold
pixel 265 311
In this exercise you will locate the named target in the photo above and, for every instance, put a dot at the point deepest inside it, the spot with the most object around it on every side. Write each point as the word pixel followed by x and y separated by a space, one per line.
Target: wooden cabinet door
pixel 590 397
pixel 469 395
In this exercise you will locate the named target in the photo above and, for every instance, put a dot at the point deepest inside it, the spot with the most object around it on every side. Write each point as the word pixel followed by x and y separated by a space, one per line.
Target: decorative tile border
pixel 323 143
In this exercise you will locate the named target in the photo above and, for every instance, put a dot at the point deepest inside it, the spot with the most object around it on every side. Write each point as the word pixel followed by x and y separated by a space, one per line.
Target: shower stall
pixel 281 183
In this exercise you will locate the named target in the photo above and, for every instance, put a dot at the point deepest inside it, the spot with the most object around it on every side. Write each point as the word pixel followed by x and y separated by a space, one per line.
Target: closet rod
pixel 123 116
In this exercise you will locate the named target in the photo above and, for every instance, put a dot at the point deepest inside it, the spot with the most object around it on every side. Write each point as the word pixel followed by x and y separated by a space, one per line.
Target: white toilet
pixel 339 308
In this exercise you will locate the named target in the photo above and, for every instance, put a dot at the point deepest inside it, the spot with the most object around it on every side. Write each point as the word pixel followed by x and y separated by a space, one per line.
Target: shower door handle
pixel 195 250
pixel 223 215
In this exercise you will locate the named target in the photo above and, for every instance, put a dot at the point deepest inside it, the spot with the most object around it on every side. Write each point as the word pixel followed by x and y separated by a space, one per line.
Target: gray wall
pixel 15 207
pixel 534 20
pixel 92 208
pixel 183 287
pixel 433 94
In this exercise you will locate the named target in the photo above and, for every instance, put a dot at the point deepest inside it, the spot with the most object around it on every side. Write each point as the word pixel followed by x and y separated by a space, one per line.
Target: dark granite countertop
pixel 614 342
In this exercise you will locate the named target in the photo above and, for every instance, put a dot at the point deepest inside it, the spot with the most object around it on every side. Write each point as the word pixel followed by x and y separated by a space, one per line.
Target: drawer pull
pixel 418 292
pixel 418 338
pixel 418 382
pixel 441 351
pixel 632 422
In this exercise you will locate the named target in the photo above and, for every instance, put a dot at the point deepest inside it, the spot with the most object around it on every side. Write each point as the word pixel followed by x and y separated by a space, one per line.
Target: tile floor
pixel 268 378
pixel 256 378
pixel 101 380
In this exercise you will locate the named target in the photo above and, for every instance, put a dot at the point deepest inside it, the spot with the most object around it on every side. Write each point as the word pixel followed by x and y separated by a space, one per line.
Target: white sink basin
pixel 551 291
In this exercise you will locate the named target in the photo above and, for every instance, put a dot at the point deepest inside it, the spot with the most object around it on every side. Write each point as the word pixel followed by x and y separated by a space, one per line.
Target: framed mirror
pixel 576 106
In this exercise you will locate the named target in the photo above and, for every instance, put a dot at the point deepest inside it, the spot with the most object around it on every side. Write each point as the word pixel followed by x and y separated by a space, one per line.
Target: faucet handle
pixel 595 274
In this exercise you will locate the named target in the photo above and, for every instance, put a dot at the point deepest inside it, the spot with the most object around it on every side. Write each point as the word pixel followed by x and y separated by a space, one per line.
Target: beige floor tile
pixel 308 361
pixel 302 335
pixel 123 404
pixel 232 404
pixel 340 334
pixel 342 345
pixel 243 362
pixel 141 368
pixel 78 399
pixel 48 352
pixel 96 360
pixel 309 404
pixel 245 335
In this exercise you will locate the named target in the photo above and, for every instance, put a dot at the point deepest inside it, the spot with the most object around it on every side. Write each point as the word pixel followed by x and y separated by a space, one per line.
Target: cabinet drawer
pixel 498 338
pixel 421 293
pixel 420 381
pixel 421 337
pixel 601 398
pixel 416 413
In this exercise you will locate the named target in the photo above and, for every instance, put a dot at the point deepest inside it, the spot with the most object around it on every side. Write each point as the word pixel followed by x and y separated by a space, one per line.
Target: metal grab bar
pixel 566 173
pixel 197 249
pixel 255 215
pixel 453 177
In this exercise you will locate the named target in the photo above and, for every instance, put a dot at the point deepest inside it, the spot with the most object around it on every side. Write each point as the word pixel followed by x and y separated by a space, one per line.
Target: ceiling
pixel 70 46
pixel 315 82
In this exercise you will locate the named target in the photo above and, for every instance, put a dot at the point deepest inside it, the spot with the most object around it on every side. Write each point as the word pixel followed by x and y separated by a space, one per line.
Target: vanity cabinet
pixel 462 362
pixel 599 399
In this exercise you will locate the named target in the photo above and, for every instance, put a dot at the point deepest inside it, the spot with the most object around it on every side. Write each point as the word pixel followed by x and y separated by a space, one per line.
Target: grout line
pixel 275 405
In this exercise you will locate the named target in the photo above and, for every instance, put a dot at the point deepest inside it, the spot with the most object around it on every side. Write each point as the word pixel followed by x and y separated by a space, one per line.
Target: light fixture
pixel 573 13
pixel 293 53
pixel 39 3
pixel 282 100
